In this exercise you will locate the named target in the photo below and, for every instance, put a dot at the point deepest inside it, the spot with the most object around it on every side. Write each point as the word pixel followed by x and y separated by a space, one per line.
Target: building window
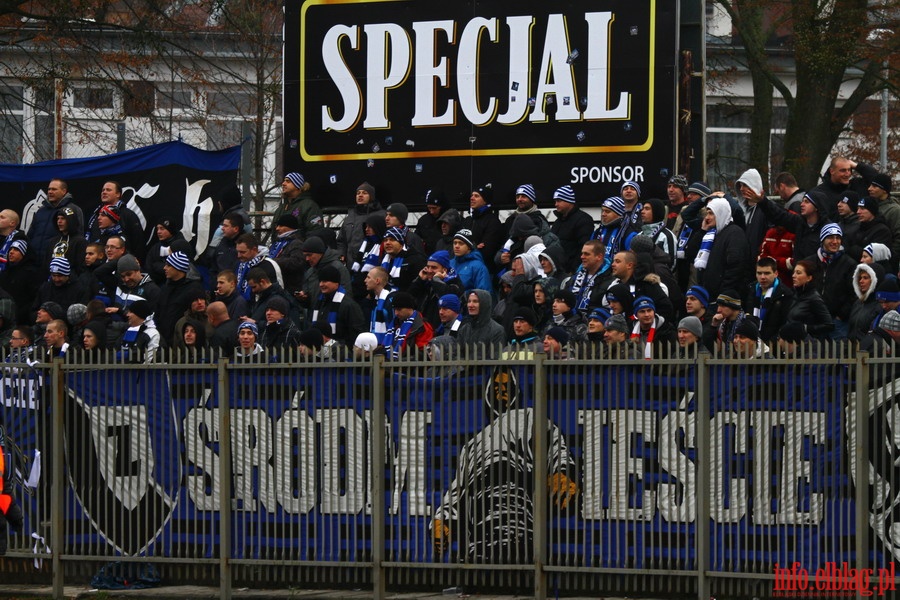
pixel 727 133
pixel 174 100
pixel 139 98
pixel 222 134
pixel 92 98
pixel 12 122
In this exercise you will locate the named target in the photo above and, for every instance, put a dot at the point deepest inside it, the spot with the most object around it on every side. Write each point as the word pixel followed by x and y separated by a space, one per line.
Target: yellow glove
pixel 441 536
pixel 562 489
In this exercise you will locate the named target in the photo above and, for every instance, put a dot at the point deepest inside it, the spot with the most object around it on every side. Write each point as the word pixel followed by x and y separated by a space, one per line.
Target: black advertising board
pixel 412 95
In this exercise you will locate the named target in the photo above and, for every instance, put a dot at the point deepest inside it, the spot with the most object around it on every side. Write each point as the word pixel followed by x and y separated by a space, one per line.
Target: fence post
pixel 377 441
pixel 541 416
pixel 862 461
pixel 704 462
pixel 57 474
pixel 225 459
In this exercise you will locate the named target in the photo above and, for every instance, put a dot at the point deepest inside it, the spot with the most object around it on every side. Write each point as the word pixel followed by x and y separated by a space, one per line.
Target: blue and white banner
pixel 143 449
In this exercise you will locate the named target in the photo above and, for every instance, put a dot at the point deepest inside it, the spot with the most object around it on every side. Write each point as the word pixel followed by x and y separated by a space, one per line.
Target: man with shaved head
pixel 9 232
pixel 224 336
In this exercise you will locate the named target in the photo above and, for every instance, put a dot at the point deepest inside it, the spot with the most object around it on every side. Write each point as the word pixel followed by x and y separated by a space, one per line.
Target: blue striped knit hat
pixel 615 204
pixel 251 326
pixel 526 189
pixel 396 233
pixel 20 245
pixel 296 179
pixel 565 193
pixel 179 261
pixel 60 266
pixel 830 229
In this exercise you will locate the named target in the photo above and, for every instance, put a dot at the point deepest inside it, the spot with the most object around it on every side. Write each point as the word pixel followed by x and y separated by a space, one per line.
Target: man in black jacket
pixel 487 230
pixel 573 226
pixel 769 300
pixel 834 184
pixel 836 280
pixel 176 295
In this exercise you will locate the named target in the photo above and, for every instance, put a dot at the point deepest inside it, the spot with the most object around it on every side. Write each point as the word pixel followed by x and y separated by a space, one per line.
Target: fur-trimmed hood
pixel 864 268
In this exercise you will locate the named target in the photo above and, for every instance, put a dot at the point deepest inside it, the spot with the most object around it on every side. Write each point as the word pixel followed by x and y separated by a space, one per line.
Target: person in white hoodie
pixel 723 262
pixel 749 191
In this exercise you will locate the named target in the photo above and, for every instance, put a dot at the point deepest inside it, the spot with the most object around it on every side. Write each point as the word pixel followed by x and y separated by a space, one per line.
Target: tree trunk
pixel 761 126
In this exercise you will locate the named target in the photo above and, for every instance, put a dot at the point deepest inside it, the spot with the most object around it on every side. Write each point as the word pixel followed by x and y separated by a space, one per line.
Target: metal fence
pixel 700 477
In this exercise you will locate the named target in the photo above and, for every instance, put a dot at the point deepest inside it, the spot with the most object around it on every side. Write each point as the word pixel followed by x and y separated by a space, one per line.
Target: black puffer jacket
pixel 809 308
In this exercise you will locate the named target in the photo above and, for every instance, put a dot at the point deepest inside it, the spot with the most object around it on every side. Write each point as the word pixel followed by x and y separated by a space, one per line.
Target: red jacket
pixel 778 243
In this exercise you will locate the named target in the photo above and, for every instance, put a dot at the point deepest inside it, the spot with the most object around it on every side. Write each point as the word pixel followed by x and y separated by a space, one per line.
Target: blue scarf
pixel 243 267
pixel 706 245
pixel 370 250
pixel 683 238
pixel 280 244
pixel 395 339
pixel 761 308
pixel 4 250
pixel 611 236
pixel 453 330
pixel 110 231
pixel 582 286
pixel 382 314
pixel 332 307
pixel 392 265
pixel 827 257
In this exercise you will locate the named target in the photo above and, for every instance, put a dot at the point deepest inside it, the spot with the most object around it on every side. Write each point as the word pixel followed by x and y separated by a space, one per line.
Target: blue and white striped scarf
pixel 243 267
pixel 453 330
pixel 370 250
pixel 395 339
pixel 683 239
pixel 393 265
pixel 705 247
pixel 760 311
pixel 332 308
pixel 382 315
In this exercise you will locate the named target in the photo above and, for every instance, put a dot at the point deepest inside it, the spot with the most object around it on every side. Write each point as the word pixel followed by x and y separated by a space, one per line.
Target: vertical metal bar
pixel 541 416
pixel 120 137
pixel 57 497
pixel 377 441
pixel 703 477
pixel 862 461
pixel 224 482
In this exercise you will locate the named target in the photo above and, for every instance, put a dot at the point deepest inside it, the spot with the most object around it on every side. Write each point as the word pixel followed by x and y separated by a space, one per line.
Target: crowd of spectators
pixel 733 272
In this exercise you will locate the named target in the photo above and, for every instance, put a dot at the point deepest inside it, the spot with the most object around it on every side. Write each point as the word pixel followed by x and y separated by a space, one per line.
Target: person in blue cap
pixel 449 309
pixel 656 336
